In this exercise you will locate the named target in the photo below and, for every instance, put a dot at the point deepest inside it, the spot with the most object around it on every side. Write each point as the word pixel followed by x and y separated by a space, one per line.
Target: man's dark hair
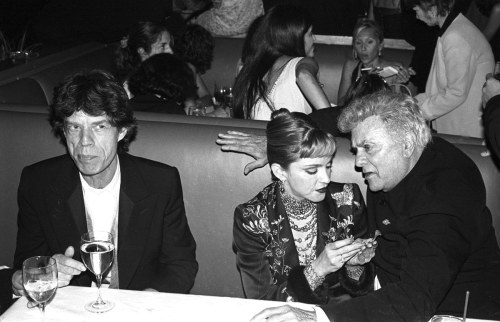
pixel 196 46
pixel 96 93
pixel 166 76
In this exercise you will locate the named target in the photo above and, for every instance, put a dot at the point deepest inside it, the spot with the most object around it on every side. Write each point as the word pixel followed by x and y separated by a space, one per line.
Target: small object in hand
pixel 387 72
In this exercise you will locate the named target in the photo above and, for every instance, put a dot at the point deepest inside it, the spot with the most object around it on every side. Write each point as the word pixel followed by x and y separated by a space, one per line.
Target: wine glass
pixel 218 95
pixel 97 250
pixel 40 280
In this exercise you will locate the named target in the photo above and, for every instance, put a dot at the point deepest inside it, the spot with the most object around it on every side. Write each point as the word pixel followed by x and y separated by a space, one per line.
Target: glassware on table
pixel 228 100
pixel 445 318
pixel 40 280
pixel 218 95
pixel 496 71
pixel 97 250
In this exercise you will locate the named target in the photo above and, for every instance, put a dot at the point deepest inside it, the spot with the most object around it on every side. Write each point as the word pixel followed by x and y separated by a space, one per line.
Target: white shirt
pixel 285 93
pixel 101 205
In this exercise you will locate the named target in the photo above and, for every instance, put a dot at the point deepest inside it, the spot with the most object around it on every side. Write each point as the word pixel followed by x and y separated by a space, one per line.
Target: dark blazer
pixel 491 119
pixel 155 245
pixel 266 254
pixel 5 289
pixel 437 243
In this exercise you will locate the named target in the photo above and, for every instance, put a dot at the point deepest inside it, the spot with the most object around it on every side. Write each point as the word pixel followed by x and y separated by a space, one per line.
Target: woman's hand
pixel 366 254
pixel 404 74
pixel 335 255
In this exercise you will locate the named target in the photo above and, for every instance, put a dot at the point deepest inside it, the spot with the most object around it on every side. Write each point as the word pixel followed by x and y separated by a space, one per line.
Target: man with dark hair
pixel 97 186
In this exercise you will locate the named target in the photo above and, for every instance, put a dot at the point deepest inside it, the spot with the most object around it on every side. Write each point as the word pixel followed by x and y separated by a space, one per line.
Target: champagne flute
pixel 40 280
pixel 97 251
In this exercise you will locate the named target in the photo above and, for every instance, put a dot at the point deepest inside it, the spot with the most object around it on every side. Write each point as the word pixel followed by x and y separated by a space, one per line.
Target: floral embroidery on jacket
pixel 269 231
pixel 342 227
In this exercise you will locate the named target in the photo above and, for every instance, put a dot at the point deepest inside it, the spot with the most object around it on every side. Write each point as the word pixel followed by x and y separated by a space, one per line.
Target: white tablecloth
pixel 67 305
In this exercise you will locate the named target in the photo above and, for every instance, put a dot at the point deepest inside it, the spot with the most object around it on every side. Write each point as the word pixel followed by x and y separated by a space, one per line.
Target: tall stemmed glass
pixel 97 250
pixel 40 280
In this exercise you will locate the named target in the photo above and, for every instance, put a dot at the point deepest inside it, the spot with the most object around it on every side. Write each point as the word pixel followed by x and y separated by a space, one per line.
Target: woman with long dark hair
pixel 280 71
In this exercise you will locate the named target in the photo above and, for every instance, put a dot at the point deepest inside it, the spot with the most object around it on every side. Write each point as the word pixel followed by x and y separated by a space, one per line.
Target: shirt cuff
pixel 321 315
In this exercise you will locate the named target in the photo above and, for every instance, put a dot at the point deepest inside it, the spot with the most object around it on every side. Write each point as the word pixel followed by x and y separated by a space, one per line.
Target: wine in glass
pixel 40 280
pixel 97 251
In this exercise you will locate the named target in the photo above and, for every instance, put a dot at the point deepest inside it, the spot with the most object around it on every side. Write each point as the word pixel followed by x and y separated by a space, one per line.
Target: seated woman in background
pixel 368 43
pixel 144 40
pixel 299 236
pixel 161 84
pixel 196 47
pixel 280 71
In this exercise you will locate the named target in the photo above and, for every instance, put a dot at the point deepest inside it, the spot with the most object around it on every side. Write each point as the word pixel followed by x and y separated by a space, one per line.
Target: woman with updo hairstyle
pixel 144 40
pixel 279 69
pixel 368 45
pixel 161 84
pixel 301 235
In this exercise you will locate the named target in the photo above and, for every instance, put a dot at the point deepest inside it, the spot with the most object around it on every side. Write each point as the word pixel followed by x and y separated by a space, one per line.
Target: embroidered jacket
pixel 266 255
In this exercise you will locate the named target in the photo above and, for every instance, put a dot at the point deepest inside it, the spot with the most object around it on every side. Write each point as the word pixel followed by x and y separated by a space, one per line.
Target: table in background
pixel 68 303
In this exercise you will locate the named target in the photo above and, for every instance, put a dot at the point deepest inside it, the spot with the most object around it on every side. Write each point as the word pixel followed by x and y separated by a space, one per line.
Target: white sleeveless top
pixel 284 94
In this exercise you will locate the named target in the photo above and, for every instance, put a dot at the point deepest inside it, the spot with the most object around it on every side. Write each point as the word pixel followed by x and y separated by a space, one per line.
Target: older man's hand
pixel 252 145
pixel 67 267
pixel 490 88
pixel 285 313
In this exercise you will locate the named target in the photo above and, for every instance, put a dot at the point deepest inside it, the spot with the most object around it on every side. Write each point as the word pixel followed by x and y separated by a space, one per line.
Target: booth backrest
pixel 330 58
pixel 16 83
pixel 212 181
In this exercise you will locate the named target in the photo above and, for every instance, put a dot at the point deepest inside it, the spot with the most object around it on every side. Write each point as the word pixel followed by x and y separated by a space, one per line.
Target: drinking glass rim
pixel 94 232
pixel 51 261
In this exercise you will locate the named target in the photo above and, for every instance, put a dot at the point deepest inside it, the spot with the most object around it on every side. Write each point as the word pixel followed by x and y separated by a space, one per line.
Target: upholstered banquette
pixel 212 180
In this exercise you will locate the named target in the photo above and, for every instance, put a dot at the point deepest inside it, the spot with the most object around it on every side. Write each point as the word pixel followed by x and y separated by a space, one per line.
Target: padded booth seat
pixel 213 181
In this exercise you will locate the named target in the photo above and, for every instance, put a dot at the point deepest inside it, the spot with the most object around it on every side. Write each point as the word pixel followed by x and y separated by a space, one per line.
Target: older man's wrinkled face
pixel 381 158
pixel 92 143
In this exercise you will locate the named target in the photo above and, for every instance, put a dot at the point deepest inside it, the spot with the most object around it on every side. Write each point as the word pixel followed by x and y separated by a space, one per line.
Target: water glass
pixel 40 280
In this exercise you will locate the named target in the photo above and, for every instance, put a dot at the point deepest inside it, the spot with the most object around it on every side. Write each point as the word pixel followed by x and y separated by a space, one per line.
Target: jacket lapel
pixel 66 207
pixel 134 218
pixel 326 208
pixel 291 257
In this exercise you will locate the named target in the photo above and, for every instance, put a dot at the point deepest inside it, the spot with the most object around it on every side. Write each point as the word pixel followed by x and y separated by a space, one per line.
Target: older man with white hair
pixel 428 200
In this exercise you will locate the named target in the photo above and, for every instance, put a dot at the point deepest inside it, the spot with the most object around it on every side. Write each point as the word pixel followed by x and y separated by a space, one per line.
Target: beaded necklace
pixel 302 215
